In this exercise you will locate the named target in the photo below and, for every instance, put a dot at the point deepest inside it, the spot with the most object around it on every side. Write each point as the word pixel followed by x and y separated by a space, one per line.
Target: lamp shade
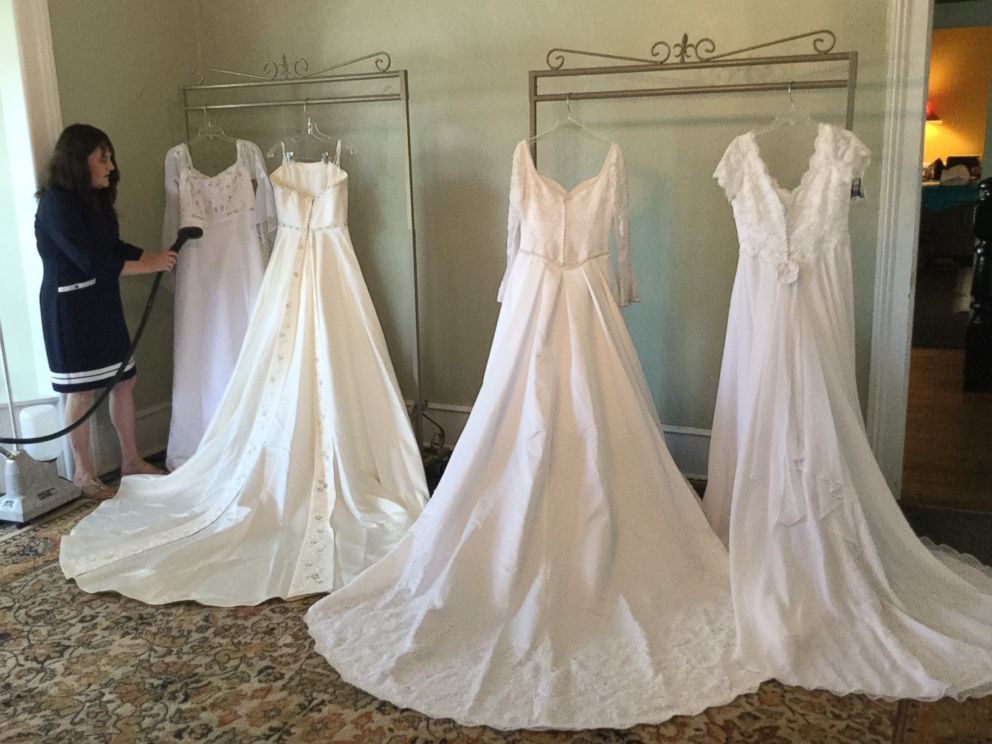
pixel 932 116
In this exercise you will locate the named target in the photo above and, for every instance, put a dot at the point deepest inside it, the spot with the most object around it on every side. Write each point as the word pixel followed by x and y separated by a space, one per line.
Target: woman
pixel 81 311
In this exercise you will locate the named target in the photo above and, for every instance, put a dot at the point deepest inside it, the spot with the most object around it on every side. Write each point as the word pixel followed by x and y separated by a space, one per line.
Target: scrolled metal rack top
pixel 699 55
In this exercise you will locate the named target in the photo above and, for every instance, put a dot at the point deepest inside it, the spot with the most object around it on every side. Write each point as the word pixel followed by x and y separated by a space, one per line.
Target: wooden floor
pixel 948 459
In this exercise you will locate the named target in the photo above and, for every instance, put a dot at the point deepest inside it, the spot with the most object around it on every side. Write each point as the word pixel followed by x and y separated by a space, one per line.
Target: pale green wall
pixel 468 65
pixel 119 66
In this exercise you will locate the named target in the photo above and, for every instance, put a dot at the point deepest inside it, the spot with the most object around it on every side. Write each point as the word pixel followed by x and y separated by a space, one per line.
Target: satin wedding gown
pixel 563 574
pixel 831 587
pixel 308 473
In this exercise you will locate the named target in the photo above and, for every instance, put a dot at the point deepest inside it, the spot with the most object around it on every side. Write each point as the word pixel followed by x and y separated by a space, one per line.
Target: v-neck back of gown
pixel 831 587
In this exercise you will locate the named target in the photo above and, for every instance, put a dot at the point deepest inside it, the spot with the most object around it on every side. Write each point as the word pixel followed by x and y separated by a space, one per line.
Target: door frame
pixel 909 33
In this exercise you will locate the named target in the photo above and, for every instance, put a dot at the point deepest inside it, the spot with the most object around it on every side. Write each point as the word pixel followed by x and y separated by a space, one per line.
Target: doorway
pixel 948 444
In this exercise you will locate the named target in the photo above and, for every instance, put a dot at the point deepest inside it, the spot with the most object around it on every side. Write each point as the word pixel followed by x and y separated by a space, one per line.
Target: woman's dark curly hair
pixel 69 171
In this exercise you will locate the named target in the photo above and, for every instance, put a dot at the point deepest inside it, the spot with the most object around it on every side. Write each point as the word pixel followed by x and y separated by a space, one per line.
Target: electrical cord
pixel 184 234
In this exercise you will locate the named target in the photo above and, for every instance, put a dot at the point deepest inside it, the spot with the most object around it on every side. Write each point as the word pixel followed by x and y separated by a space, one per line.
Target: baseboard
pixel 690 447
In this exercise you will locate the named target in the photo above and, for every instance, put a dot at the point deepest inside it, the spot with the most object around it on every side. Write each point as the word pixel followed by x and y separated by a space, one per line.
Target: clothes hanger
pixel 310 130
pixel 791 117
pixel 209 131
pixel 794 117
pixel 571 121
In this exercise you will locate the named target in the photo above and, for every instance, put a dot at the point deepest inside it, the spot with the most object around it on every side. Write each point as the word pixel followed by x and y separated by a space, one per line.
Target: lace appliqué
pixel 205 198
pixel 609 679
pixel 789 229
pixel 626 280
pixel 513 217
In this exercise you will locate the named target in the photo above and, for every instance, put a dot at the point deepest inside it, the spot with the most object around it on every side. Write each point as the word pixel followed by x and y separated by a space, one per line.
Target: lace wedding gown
pixel 308 473
pixel 831 587
pixel 216 280
pixel 563 574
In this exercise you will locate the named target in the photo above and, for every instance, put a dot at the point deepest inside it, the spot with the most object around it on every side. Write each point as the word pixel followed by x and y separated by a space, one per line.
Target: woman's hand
pixel 151 263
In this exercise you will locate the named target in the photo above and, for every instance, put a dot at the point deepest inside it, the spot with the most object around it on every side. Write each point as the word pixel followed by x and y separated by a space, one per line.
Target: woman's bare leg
pixel 76 405
pixel 122 415
pixel 84 469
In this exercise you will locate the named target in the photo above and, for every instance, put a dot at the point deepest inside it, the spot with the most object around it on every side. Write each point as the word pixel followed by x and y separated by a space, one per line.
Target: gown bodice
pixel 568 228
pixel 311 196
pixel 787 229
pixel 201 200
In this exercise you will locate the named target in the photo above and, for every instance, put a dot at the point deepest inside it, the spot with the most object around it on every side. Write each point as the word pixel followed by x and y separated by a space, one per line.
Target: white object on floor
pixel 563 574
pixel 309 472
pixel 37 421
pixel 831 586
pixel 32 488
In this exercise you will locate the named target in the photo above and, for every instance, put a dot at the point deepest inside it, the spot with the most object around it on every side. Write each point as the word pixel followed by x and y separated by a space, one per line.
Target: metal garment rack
pixel 700 55
pixel 282 74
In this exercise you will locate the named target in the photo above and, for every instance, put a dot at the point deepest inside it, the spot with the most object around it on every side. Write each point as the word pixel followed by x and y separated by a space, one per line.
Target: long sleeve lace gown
pixel 309 471
pixel 563 574
pixel 831 587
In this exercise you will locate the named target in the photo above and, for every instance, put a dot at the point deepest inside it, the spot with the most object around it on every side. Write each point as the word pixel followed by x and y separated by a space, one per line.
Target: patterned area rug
pixel 944 722
pixel 105 668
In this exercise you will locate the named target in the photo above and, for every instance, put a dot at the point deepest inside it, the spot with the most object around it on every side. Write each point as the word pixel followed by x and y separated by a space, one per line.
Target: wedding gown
pixel 830 585
pixel 216 280
pixel 563 574
pixel 308 473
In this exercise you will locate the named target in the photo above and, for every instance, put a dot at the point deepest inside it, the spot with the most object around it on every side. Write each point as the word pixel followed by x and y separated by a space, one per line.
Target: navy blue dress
pixel 82 317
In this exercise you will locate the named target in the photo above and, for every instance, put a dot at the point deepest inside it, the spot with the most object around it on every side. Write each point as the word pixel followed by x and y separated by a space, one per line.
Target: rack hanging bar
pixel 692 90
pixel 348 77
pixel 602 95
pixel 297 102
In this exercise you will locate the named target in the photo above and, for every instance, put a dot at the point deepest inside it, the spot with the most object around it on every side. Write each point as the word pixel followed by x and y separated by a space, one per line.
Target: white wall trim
pixel 41 86
pixel 33 120
pixel 690 447
pixel 898 228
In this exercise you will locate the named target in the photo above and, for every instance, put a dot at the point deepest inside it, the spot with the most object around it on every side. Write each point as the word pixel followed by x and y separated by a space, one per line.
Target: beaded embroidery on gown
pixel 832 589
pixel 563 574
pixel 308 473
pixel 216 281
